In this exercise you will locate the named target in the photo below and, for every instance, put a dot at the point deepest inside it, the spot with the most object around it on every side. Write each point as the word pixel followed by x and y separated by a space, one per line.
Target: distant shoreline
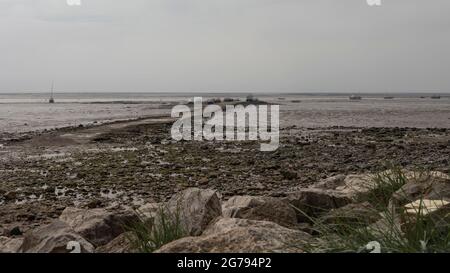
pixel 232 93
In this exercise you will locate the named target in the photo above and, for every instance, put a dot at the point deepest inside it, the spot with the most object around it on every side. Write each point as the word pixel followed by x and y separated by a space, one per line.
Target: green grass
pixel 414 233
pixel 149 234
pixel 385 185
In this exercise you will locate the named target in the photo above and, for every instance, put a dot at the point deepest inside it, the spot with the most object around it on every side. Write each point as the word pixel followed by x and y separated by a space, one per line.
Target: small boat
pixel 388 98
pixel 251 98
pixel 296 101
pixel 354 97
pixel 436 97
pixel 51 100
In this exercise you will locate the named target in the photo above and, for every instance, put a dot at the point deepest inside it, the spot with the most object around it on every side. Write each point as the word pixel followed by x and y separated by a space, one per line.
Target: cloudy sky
pixel 225 45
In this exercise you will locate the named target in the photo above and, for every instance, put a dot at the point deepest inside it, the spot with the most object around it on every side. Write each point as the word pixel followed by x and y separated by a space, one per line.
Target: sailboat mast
pixel 51 100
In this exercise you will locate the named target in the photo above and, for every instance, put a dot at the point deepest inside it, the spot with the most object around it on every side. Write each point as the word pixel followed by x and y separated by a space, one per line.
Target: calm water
pixel 27 112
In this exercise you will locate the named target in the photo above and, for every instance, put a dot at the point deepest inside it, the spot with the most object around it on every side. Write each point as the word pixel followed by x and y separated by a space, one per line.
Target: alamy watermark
pixel 374 3
pixel 73 2
pixel 78 2
pixel 236 123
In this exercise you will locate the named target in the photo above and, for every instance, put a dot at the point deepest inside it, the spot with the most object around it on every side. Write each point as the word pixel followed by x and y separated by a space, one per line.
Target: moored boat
pixel 354 97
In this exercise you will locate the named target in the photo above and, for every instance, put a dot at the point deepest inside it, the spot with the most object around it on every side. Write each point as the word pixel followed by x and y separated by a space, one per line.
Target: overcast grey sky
pixel 225 45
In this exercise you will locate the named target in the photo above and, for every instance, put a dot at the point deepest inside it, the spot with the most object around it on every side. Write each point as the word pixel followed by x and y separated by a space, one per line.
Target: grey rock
pixel 331 193
pixel 97 225
pixel 53 238
pixel 352 214
pixel 120 244
pixel 10 245
pixel 195 208
pixel 260 208
pixel 433 186
pixel 150 210
pixel 233 235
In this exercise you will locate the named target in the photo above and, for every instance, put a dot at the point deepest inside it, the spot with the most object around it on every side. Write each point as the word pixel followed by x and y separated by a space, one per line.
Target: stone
pixel 53 238
pixel 432 186
pixel 10 245
pixel 97 225
pixel 15 231
pixel 234 235
pixel 289 175
pixel 436 211
pixel 388 225
pixel 311 202
pixel 352 214
pixel 195 208
pixel 331 193
pixel 425 206
pixel 150 210
pixel 96 203
pixel 407 193
pixel 120 244
pixel 356 186
pixel 225 224
pixel 331 182
pixel 10 196
pixel 260 208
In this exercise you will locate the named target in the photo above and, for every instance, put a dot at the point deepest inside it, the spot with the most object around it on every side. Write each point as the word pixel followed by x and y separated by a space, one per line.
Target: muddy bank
pixel 135 162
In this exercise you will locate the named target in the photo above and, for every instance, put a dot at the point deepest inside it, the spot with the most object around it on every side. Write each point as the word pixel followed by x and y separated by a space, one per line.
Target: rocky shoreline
pixel 244 224
pixel 125 165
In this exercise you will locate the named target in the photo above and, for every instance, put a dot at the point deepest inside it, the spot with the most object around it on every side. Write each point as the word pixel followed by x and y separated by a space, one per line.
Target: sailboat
pixel 52 100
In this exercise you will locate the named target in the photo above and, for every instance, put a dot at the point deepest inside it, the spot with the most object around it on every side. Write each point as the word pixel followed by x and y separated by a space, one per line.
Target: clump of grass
pixel 149 234
pixel 385 184
pixel 398 231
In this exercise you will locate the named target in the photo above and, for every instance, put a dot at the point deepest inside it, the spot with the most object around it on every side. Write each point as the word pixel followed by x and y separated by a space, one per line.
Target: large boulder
pixel 356 186
pixel 54 238
pixel 425 196
pixel 10 245
pixel 432 186
pixel 150 210
pixel 233 235
pixel 351 214
pixel 97 225
pixel 260 208
pixel 331 193
pixel 389 226
pixel 120 244
pixel 435 212
pixel 311 202
pixel 195 209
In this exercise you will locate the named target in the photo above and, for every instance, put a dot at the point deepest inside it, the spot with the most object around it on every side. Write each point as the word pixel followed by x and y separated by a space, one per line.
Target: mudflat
pixel 129 163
